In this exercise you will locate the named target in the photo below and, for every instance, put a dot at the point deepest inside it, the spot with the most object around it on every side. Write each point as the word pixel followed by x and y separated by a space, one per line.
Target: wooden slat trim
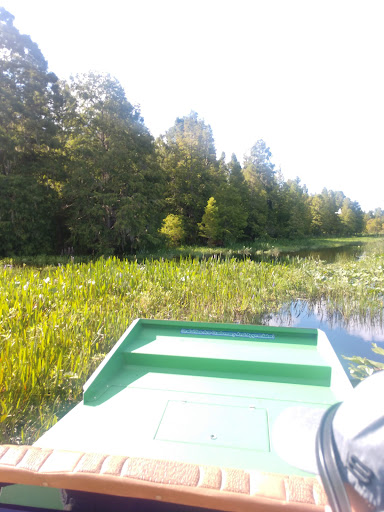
pixel 169 481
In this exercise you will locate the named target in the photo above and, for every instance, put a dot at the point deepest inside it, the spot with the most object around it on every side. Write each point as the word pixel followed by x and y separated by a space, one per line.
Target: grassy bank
pixel 244 250
pixel 58 322
pixel 262 248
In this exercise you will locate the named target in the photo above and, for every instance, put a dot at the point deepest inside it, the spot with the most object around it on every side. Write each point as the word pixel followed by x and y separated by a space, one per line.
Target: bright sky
pixel 307 76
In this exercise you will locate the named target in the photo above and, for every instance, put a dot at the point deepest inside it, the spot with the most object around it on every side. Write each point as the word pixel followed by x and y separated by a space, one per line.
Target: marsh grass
pixel 58 322
pixel 260 248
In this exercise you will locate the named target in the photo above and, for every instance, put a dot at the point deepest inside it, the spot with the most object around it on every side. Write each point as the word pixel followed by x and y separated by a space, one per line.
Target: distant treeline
pixel 79 171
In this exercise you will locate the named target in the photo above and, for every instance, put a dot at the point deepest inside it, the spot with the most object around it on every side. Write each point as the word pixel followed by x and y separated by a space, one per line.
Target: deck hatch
pixel 215 425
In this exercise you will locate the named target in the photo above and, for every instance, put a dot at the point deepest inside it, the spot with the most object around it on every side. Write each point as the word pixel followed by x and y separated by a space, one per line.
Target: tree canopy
pixel 109 205
pixel 29 141
pixel 79 169
pixel 188 158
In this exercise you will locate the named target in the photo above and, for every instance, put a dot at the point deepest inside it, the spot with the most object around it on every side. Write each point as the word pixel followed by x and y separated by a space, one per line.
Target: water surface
pixel 330 254
pixel 349 339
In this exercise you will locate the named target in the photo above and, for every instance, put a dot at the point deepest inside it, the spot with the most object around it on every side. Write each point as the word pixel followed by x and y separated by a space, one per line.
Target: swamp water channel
pixel 348 338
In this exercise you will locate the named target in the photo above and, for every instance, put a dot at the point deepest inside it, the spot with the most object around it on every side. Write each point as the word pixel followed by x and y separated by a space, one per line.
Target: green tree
pixel 172 229
pixel 260 160
pixel 28 216
pixel 260 176
pixel 114 189
pixel 316 205
pixel 294 216
pixel 324 212
pixel 375 226
pixel 351 217
pixel 29 96
pixel 29 144
pixel 235 175
pixel 231 198
pixel 210 226
pixel 188 157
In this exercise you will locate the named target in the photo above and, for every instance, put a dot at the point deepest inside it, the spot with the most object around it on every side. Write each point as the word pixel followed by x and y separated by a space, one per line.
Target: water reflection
pixel 330 255
pixel 352 338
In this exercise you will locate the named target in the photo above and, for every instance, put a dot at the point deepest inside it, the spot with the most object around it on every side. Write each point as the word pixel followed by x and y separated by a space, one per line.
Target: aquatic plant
pixel 58 322
pixel 363 367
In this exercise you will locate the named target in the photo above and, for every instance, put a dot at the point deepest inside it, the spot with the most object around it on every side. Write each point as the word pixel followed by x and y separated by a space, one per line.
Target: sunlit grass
pixel 58 322
pixel 263 248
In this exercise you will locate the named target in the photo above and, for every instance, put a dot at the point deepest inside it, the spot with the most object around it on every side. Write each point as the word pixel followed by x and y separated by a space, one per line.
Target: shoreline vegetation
pixel 258 249
pixel 81 173
pixel 58 320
